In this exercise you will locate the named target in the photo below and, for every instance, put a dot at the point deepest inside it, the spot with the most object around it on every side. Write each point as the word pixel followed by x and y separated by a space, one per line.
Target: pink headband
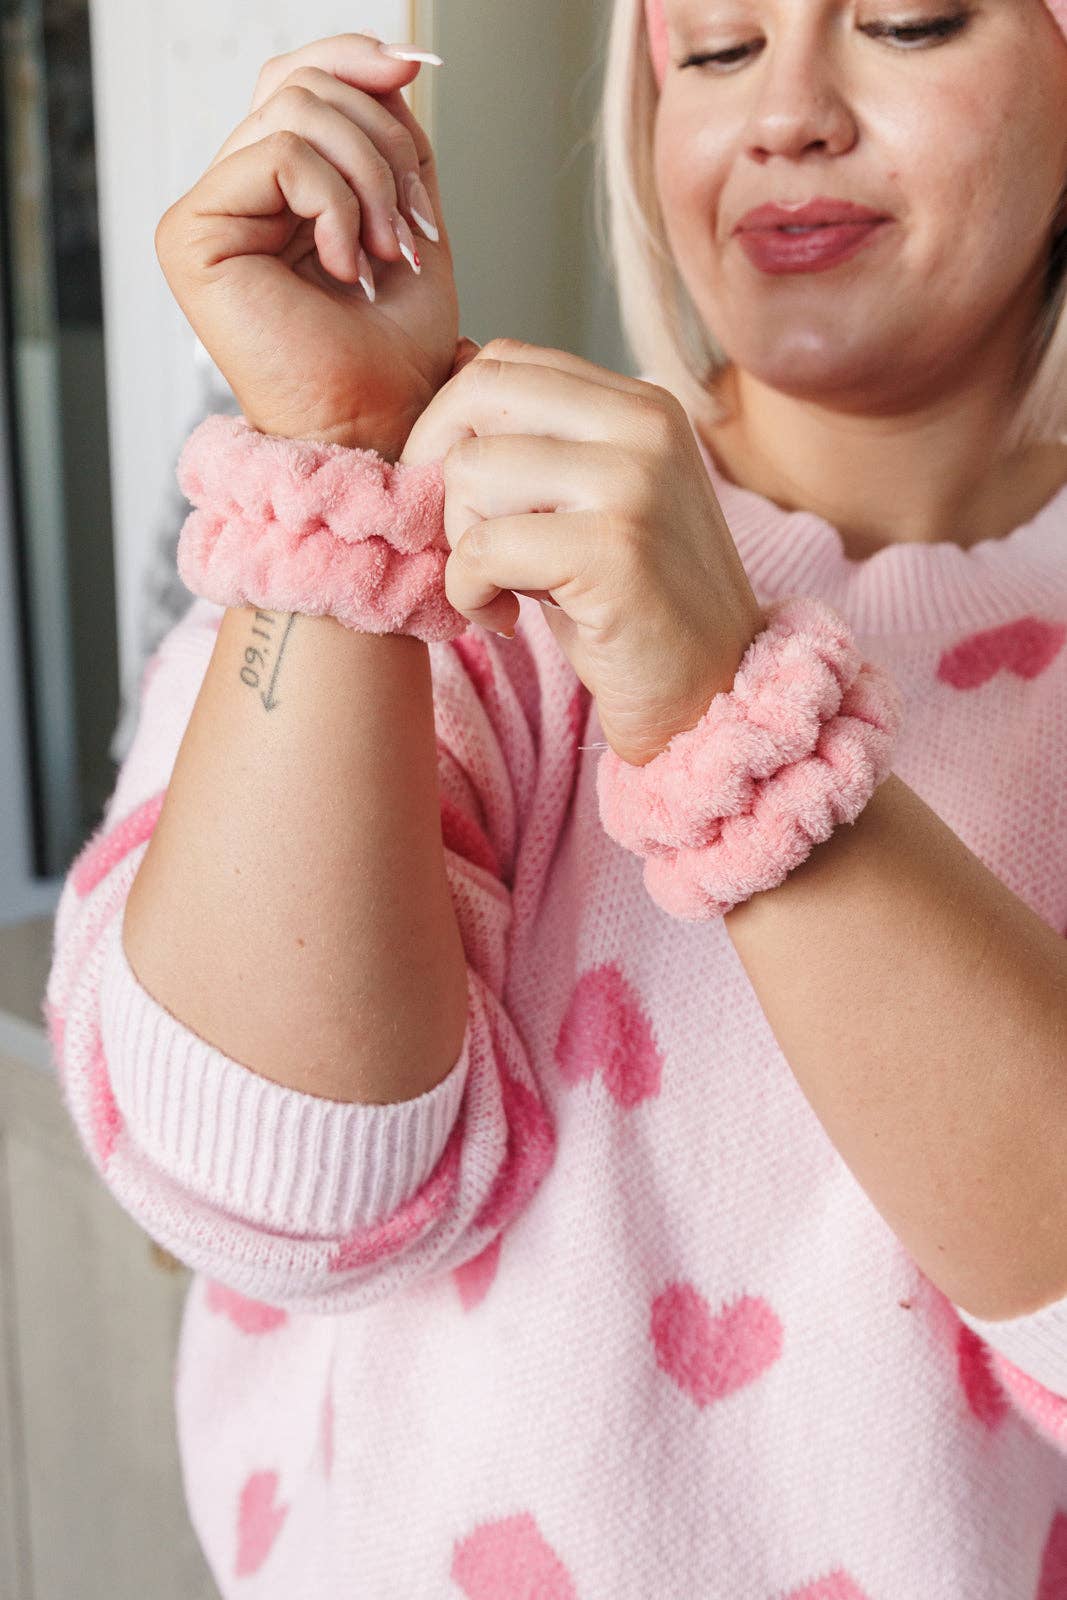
pixel 656 24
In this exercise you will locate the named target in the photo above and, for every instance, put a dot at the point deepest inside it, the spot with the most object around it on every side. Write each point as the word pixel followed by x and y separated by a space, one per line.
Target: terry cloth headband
pixel 656 24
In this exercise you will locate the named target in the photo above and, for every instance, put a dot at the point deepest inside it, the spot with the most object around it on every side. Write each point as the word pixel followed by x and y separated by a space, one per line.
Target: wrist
pixel 388 446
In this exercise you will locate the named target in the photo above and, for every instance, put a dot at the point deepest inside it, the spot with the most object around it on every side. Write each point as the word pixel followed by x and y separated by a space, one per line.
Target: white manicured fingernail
pixel 555 603
pixel 406 240
pixel 366 276
pixel 420 207
pixel 405 52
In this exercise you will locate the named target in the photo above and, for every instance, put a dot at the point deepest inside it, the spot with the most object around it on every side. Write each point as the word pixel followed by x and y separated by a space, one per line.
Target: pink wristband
pixel 323 529
pixel 798 745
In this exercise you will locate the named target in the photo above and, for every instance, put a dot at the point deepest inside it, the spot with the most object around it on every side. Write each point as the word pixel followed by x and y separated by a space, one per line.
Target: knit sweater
pixel 603 1315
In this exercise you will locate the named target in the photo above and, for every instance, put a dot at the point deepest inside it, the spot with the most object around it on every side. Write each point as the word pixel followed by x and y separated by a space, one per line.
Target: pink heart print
pixel 1026 647
pixel 259 1521
pixel 510 1558
pixel 836 1585
pixel 709 1355
pixel 250 1316
pixel 606 1030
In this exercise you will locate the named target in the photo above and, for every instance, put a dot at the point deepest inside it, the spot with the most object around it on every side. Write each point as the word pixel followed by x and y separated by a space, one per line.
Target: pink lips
pixel 838 228
pixel 821 209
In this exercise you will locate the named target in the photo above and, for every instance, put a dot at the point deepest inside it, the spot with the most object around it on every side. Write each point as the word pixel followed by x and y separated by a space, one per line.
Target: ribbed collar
pixel 903 588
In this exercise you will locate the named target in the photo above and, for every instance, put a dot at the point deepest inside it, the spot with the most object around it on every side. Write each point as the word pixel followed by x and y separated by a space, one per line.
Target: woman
pixel 546 1244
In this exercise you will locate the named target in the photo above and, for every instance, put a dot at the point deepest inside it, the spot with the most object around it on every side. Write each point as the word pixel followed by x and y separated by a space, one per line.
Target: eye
pixel 939 28
pixel 906 34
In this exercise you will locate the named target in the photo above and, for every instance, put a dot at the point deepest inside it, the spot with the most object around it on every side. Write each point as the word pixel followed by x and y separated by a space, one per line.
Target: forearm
pixel 922 1007
pixel 292 907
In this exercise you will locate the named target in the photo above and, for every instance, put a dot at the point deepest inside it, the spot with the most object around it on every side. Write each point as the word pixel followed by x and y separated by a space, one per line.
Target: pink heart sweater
pixel 602 1316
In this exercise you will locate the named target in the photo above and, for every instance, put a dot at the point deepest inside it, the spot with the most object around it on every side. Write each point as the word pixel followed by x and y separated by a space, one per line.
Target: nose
pixel 798 101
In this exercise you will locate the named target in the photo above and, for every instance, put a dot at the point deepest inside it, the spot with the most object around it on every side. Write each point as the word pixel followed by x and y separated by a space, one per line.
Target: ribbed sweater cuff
pixel 273 1155
pixel 1035 1343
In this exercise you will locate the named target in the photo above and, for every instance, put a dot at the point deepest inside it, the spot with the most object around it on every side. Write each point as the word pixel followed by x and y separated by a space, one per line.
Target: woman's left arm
pixel 922 1007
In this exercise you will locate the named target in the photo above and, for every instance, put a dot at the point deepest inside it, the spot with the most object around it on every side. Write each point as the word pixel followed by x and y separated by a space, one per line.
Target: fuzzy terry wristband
pixel 798 746
pixel 323 529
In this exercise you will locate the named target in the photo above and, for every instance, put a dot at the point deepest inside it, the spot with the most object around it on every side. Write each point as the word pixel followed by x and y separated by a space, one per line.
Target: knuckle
pixel 269 74
pixel 285 142
pixel 655 420
pixel 295 93
pixel 460 457
pixel 482 370
pixel 502 346
pixel 471 546
pixel 401 145
pixel 379 174
pixel 305 77
pixel 174 232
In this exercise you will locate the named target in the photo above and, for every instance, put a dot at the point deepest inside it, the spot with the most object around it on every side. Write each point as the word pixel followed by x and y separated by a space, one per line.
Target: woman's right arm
pixel 292 907
pixel 292 1190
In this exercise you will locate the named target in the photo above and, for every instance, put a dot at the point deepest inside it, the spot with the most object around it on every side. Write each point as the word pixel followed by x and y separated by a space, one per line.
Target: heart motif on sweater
pixel 513 1558
pixel 1026 647
pixel 250 1316
pixel 835 1586
pixel 259 1520
pixel 709 1355
pixel 606 1030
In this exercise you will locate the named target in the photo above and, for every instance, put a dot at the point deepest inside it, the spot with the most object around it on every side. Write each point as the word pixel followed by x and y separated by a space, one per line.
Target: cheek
pixel 690 166
pixel 952 171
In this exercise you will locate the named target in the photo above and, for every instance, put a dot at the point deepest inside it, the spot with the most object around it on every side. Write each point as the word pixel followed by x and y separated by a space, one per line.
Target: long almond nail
pixel 406 52
pixel 366 276
pixel 420 207
pixel 406 240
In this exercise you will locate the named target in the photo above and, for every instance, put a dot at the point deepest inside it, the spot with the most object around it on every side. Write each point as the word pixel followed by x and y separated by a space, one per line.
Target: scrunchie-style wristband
pixel 324 529
pixel 797 746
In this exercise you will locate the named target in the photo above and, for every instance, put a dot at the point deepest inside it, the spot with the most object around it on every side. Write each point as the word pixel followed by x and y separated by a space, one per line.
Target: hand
pixel 657 610
pixel 263 253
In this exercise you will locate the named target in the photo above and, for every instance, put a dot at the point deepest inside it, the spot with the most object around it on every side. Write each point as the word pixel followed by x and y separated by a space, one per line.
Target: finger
pixel 511 474
pixel 353 57
pixel 391 129
pixel 562 396
pixel 243 205
pixel 395 102
pixel 503 490
pixel 521 352
pixel 348 128
pixel 519 553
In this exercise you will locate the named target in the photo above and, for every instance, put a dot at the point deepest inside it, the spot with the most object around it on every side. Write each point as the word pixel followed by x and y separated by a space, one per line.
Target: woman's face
pixel 955 130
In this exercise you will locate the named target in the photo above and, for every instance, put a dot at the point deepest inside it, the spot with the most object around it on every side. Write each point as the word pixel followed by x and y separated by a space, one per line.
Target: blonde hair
pixel 665 332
